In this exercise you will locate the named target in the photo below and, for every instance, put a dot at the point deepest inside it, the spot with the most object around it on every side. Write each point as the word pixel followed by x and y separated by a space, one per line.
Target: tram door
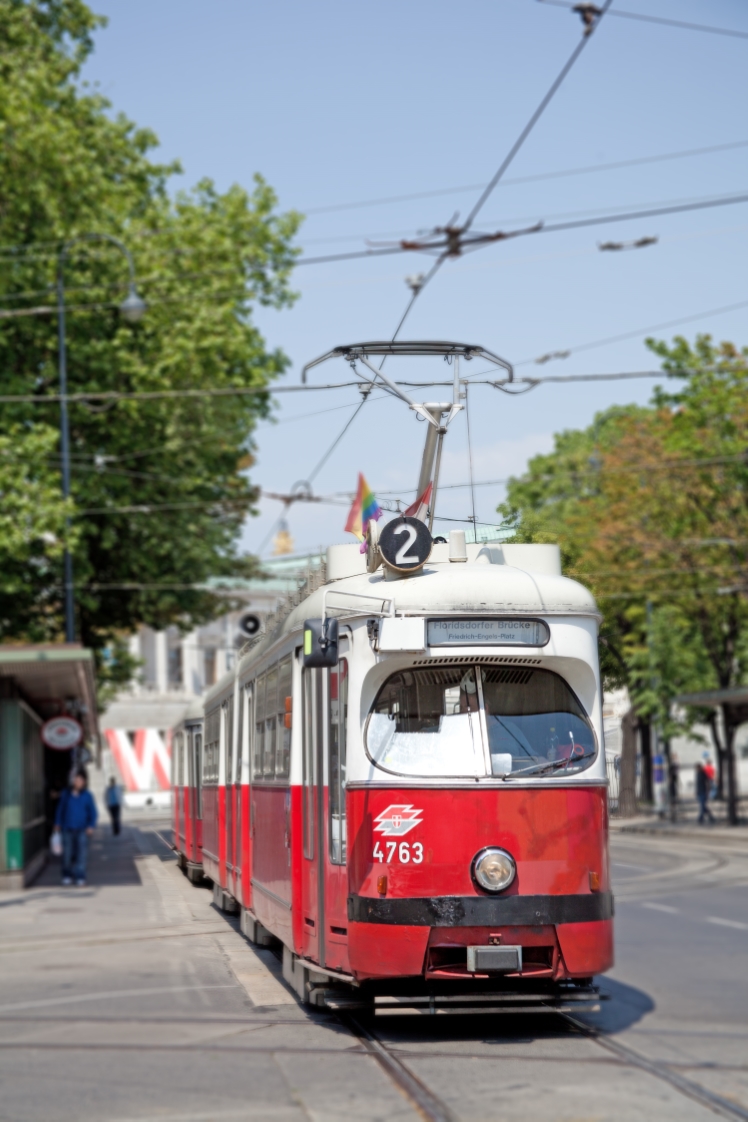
pixel 325 877
pixel 312 699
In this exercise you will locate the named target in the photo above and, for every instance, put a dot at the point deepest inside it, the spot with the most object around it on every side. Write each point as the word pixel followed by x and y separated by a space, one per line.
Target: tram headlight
pixel 494 869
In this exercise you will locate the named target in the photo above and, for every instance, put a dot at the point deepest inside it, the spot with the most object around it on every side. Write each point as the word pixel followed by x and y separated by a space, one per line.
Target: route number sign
pixel 405 544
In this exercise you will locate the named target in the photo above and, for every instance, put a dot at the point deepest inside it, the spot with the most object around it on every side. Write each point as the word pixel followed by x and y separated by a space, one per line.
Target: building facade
pixel 176 668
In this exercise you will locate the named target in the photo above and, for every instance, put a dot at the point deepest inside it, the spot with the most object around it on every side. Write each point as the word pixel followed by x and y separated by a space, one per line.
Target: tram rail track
pixel 431 1107
pixel 694 1091
pixel 428 1105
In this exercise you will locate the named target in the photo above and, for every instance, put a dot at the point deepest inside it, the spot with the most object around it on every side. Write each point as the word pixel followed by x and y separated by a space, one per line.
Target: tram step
pixel 481 1010
pixel 426 1005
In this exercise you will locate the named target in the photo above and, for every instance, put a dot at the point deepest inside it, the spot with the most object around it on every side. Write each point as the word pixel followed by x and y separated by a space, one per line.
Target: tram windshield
pixel 429 722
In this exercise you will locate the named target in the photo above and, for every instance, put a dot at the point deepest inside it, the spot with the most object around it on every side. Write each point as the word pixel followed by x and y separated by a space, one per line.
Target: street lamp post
pixel 132 309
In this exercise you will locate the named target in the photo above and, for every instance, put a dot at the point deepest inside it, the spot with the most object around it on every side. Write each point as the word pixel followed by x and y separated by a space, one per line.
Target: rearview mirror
pixel 320 643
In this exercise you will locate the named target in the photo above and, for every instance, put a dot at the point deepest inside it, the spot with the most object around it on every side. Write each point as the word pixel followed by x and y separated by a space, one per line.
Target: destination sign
pixel 487 632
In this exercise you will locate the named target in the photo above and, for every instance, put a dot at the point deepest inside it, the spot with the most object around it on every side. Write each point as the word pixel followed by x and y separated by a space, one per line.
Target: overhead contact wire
pixel 535 118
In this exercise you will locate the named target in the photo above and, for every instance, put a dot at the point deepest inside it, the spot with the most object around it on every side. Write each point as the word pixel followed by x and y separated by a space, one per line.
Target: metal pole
pixel 65 449
pixel 432 504
pixel 429 448
pixel 132 308
pixel 470 461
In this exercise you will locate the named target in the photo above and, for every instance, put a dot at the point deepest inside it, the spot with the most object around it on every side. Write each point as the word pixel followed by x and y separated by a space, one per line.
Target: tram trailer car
pixel 427 816
pixel 186 783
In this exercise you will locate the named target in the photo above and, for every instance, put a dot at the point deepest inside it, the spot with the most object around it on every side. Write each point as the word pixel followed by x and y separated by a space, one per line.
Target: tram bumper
pixel 555 936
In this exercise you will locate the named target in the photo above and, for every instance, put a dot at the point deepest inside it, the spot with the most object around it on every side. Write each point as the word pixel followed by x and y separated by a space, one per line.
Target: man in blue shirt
pixel 113 800
pixel 76 818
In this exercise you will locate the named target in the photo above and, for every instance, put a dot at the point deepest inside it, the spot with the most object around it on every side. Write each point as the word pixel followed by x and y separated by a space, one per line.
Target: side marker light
pixel 594 882
pixel 382 886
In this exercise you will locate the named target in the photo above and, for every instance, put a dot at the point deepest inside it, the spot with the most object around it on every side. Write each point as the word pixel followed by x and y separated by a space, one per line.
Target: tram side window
pixel 212 741
pixel 338 713
pixel 229 705
pixel 283 729
pixel 187 756
pixel 239 735
pixel 535 723
pixel 259 728
pixel 271 723
pixel 198 749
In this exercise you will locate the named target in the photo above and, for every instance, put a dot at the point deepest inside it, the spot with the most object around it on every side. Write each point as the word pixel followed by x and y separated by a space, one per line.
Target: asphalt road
pixel 134 1000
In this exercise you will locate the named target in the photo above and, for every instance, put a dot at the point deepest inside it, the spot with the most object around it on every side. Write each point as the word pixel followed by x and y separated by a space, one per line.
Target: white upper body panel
pixel 483 587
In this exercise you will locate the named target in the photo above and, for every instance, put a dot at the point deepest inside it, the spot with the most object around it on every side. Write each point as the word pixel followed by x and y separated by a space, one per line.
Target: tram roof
pixel 474 588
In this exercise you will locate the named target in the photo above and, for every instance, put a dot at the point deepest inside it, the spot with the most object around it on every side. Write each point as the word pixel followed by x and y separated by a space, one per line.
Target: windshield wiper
pixel 540 770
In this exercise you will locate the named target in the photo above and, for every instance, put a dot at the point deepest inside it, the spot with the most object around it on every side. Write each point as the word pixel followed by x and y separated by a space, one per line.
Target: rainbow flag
pixel 365 509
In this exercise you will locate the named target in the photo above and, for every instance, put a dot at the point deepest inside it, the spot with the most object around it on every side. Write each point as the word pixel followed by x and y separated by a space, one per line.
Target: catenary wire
pixel 287 505
pixel 732 32
pixel 655 212
pixel 424 281
pixel 489 188
pixel 641 331
pixel 389 251
pixel 537 178
pixel 586 212
pixel 117 395
pixel 30 248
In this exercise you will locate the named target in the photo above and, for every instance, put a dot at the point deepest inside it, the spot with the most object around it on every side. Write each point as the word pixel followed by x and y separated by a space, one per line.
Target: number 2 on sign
pixel 406 852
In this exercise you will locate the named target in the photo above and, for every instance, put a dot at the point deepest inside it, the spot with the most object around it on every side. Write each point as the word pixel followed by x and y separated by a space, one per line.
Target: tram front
pixel 476 788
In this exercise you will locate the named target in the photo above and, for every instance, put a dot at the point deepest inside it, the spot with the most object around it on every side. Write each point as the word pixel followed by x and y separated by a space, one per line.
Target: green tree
pixel 649 506
pixel 159 487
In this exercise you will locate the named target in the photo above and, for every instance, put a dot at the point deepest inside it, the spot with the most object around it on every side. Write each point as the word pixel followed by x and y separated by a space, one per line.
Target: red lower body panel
pixel 410 867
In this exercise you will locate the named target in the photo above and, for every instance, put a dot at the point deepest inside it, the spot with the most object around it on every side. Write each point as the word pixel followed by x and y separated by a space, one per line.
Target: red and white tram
pixel 186 769
pixel 404 782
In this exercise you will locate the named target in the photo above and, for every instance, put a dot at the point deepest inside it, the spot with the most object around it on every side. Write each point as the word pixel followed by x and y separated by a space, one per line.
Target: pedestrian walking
pixel 114 804
pixel 673 784
pixel 711 775
pixel 75 819
pixel 702 794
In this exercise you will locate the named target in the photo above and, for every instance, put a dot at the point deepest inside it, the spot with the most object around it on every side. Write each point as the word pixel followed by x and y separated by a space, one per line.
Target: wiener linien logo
pixel 397 820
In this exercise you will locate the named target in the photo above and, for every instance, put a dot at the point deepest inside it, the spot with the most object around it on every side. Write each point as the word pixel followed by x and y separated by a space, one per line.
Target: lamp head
pixel 133 308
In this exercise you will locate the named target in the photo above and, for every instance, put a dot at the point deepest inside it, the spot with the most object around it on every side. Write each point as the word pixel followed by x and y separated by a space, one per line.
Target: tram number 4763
pixel 406 852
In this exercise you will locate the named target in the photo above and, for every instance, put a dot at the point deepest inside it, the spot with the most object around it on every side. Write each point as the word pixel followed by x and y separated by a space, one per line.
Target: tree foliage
pixel 649 507
pixel 159 487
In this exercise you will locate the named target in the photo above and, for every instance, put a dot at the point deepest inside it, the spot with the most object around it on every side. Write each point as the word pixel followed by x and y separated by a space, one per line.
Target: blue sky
pixel 337 103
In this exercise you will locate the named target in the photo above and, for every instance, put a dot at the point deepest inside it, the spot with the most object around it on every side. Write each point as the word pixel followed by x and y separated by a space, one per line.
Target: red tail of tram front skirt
pixel 414 908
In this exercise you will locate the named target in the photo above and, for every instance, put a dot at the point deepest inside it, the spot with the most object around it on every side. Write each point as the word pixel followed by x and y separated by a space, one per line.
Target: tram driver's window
pixel 425 722
pixel 535 723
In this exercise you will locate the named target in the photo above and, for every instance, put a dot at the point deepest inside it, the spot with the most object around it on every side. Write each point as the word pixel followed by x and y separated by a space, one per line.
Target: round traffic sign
pixel 62 733
pixel 405 543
